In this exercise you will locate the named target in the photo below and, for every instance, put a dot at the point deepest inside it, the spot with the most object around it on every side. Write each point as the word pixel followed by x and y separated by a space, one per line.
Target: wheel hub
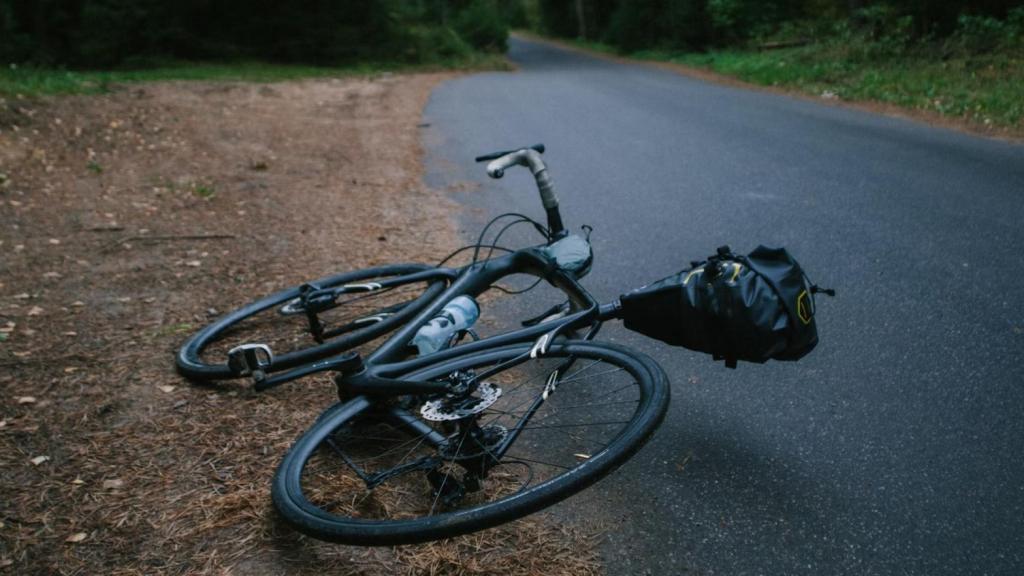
pixel 481 441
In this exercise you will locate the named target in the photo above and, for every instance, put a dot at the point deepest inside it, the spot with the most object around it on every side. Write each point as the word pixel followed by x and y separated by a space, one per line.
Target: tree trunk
pixel 581 18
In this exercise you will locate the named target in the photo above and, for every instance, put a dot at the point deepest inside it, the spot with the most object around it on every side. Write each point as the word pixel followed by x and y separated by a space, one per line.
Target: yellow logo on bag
pixel 804 307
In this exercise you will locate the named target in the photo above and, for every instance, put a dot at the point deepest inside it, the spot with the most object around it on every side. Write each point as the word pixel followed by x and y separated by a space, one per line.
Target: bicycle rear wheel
pixel 357 307
pixel 373 473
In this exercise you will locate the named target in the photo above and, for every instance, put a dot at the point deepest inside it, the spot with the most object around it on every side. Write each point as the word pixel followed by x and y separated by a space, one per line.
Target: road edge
pixel 870 106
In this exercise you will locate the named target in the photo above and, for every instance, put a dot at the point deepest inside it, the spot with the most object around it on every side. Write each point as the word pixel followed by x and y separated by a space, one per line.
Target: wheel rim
pixel 290 333
pixel 594 406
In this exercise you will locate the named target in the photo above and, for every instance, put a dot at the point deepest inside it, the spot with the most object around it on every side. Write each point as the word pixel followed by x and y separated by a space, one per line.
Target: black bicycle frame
pixel 367 384
pixel 373 376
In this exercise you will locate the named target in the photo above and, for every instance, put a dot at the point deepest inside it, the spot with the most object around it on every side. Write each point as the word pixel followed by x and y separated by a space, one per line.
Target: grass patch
pixel 31 81
pixel 171 329
pixel 203 191
pixel 985 88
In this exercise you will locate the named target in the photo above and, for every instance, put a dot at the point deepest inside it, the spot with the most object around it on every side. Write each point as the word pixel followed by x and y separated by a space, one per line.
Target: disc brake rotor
pixel 457 408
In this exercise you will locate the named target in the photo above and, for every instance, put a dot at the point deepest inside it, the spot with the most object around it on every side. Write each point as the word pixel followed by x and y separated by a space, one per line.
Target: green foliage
pixel 890 26
pixel 884 31
pixel 426 44
pixel 632 26
pixel 987 89
pixel 514 13
pixel 979 34
pixel 481 25
pixel 956 57
pixel 141 33
pixel 203 191
pixel 38 80
pixel 727 17
pixel 105 27
pixel 557 18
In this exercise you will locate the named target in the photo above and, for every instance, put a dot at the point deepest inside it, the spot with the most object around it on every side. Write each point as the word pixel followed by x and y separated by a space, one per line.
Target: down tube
pixel 475 280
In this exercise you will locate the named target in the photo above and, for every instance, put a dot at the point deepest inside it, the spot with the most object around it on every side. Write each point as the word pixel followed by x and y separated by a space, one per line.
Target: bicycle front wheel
pixel 355 308
pixel 534 432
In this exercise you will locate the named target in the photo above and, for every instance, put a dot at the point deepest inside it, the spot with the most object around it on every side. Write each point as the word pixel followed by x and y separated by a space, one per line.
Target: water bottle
pixel 459 314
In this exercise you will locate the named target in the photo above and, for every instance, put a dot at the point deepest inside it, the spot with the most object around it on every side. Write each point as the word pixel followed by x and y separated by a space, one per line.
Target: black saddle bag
pixel 754 308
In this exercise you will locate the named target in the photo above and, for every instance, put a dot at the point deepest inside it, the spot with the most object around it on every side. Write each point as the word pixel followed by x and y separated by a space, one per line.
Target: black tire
pixel 203 357
pixel 303 479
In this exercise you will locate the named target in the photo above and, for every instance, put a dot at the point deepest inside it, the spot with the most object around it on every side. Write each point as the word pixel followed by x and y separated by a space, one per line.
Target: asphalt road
pixel 896 447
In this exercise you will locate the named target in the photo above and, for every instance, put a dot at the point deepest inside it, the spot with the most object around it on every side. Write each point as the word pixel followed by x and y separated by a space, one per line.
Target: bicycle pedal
pixel 250 359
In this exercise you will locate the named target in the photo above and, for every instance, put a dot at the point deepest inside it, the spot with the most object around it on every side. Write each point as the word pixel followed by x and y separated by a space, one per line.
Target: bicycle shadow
pixel 698 496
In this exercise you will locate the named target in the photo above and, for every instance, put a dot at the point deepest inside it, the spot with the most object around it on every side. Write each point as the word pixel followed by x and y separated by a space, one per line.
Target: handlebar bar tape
pixel 539 148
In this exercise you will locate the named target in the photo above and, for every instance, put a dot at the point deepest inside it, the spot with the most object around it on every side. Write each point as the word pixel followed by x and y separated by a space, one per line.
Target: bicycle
pixel 478 433
pixel 343 311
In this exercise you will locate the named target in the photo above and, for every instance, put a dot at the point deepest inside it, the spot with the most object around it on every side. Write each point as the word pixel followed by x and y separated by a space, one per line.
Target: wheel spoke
pixel 291 333
pixel 535 461
pixel 574 379
pixel 563 408
pixel 557 426
pixel 543 440
pixel 447 475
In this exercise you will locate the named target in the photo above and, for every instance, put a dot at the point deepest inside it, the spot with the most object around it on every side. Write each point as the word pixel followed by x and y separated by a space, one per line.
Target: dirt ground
pixel 128 221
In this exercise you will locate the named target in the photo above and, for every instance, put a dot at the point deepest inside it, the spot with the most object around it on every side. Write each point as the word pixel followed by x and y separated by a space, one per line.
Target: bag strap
pixel 815 289
pixel 723 343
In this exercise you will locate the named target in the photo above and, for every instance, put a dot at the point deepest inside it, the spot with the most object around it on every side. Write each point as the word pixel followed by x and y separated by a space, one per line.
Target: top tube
pixel 477 278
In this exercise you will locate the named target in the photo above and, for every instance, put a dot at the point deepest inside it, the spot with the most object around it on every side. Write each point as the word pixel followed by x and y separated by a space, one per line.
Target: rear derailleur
pixel 472 447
